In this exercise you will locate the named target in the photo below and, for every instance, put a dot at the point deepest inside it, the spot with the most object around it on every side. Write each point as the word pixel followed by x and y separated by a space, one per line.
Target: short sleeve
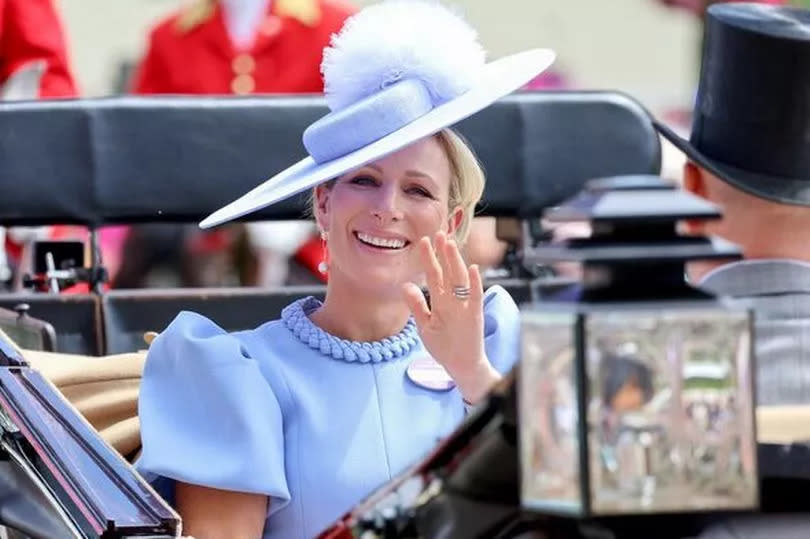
pixel 501 329
pixel 208 415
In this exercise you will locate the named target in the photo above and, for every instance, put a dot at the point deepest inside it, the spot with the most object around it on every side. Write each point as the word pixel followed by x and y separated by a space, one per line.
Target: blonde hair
pixel 466 180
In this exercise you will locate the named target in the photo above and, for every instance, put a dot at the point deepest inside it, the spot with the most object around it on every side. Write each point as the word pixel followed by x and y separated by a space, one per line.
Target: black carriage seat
pixel 175 159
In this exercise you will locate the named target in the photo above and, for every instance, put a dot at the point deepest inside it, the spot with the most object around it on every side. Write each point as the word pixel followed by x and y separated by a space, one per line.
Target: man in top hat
pixel 749 152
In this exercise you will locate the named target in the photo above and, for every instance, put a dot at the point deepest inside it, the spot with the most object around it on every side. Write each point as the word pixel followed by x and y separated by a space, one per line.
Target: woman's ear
pixel 454 221
pixel 321 207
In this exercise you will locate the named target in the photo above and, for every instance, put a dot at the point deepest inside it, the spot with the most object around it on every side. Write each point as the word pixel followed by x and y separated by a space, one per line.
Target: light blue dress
pixel 288 410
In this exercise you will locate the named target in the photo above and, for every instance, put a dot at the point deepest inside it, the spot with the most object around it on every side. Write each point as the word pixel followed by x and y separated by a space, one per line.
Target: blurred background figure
pixel 33 64
pixel 31 30
pixel 237 47
pixel 240 47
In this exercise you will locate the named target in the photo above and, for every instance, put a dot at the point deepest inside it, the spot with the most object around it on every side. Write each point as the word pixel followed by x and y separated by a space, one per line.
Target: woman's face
pixel 375 215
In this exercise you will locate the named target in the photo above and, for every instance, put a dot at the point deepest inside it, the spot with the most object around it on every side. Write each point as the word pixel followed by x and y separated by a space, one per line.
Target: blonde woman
pixel 276 431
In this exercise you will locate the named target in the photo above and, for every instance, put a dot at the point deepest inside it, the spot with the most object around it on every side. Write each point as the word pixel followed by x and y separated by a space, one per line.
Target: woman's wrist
pixel 475 380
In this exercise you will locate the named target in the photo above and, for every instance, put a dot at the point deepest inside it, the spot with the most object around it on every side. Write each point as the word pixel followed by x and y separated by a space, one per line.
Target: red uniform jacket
pixel 31 30
pixel 201 59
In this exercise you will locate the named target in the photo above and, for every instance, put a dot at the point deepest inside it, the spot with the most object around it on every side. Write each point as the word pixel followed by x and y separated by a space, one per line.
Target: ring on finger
pixel 461 292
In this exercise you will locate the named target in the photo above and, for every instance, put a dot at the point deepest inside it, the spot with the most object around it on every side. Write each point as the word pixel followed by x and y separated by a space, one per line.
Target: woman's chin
pixel 381 280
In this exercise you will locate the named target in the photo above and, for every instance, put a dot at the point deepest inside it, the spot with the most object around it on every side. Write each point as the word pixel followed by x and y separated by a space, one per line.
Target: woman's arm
pixel 210 513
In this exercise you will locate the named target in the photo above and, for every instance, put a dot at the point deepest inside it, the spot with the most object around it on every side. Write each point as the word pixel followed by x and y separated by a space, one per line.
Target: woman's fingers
pixel 440 248
pixel 447 274
pixel 416 303
pixel 476 285
pixel 433 270
pixel 456 273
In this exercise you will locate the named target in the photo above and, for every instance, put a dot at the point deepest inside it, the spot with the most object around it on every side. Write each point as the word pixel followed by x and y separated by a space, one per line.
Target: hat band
pixel 344 131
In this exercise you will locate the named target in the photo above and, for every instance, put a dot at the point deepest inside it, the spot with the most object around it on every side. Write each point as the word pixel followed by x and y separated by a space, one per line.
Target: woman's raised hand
pixel 452 327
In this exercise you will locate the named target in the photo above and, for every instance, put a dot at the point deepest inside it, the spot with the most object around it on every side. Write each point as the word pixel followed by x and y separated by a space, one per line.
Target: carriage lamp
pixel 635 388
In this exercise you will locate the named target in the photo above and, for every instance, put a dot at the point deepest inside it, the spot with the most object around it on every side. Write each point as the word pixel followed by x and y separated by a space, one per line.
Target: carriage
pixel 118 161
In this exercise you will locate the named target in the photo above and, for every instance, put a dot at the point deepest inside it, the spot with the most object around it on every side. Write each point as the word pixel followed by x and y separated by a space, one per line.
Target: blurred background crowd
pixel 649 49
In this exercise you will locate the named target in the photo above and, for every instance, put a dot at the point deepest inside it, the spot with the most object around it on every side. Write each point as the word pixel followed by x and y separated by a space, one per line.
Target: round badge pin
pixel 426 372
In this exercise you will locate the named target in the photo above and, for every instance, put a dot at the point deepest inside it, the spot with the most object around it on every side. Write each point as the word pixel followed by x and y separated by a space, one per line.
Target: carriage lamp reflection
pixel 636 410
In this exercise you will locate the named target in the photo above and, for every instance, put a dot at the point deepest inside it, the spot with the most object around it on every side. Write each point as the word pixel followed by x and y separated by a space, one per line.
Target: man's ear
pixel 321 206
pixel 693 179
pixel 694 182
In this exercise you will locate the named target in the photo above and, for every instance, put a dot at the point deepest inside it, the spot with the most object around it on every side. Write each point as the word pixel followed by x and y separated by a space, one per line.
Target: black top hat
pixel 751 123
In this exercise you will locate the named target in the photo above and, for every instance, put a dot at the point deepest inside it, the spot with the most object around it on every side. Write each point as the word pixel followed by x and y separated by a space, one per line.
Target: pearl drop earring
pixel 323 265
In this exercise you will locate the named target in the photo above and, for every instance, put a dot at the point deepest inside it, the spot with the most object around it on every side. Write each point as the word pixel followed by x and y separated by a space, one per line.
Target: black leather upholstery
pixel 128 314
pixel 76 319
pixel 176 159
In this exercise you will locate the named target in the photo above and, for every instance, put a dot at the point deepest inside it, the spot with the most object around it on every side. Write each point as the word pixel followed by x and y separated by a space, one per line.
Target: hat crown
pixel 753 102
pixel 391 64
pixel 778 21
pixel 397 40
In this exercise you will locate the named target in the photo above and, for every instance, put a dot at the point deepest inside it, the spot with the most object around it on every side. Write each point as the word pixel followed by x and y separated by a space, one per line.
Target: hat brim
pixel 499 78
pixel 775 188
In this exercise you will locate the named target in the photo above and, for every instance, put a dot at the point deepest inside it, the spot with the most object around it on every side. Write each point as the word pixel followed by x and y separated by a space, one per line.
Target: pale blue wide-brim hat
pixel 398 71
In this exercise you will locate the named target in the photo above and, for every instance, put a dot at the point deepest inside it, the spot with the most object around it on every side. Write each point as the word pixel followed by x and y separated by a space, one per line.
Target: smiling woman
pixel 371 218
pixel 279 430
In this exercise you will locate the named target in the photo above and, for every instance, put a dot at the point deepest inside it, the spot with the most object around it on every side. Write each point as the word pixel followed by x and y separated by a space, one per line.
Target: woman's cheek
pixel 429 219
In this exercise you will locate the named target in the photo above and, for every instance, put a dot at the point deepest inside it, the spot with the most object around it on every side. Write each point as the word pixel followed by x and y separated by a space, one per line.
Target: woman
pixel 279 430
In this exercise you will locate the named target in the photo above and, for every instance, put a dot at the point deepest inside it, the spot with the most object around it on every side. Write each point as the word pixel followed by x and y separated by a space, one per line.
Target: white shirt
pixel 242 20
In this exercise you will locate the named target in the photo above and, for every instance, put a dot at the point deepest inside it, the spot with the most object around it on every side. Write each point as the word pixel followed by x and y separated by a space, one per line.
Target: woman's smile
pixel 381 242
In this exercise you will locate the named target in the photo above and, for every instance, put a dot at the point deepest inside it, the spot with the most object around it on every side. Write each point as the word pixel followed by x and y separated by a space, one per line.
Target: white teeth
pixel 381 242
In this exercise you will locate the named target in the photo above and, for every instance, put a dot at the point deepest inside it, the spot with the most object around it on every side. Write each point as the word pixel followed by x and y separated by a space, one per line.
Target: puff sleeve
pixel 501 329
pixel 208 415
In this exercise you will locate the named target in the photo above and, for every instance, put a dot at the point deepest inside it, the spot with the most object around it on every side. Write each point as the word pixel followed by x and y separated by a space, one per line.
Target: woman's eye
pixel 420 191
pixel 364 180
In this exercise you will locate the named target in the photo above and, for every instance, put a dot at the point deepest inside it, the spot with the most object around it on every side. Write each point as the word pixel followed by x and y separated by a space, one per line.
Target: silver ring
pixel 461 292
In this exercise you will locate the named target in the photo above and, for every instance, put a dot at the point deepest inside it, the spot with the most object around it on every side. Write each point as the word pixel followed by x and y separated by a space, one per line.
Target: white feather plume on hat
pixel 401 39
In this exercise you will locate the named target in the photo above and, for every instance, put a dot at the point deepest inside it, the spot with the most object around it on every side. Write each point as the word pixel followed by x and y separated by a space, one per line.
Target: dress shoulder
pixel 501 328
pixel 204 400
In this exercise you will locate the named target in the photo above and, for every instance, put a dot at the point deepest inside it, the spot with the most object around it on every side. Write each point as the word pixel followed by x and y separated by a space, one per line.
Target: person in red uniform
pixel 241 47
pixel 245 47
pixel 31 30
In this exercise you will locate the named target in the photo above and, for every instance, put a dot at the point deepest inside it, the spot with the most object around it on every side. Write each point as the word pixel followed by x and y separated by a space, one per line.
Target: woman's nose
pixel 387 205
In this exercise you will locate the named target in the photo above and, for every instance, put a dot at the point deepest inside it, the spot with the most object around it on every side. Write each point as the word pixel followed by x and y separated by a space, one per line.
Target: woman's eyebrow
pixel 410 172
pixel 418 174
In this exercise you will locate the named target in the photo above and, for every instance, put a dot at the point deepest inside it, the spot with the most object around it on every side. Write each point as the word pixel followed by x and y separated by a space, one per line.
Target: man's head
pixel 749 150
pixel 761 227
